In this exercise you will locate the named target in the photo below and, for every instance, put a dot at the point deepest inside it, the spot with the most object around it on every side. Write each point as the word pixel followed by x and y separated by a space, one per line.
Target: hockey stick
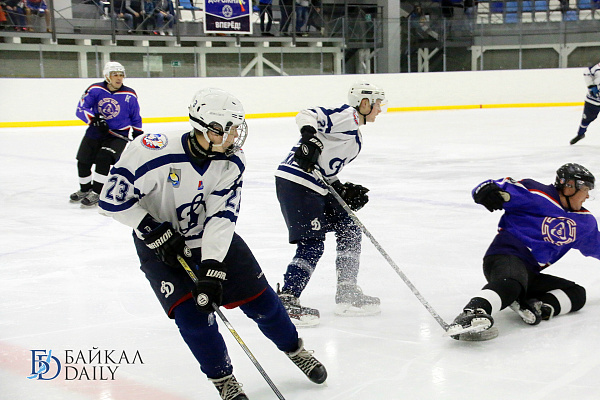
pixel 120 136
pixel 385 255
pixel 237 337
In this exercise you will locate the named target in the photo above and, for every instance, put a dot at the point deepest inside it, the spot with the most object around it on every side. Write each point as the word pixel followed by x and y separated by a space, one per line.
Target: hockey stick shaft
pixel 119 136
pixel 385 255
pixel 237 337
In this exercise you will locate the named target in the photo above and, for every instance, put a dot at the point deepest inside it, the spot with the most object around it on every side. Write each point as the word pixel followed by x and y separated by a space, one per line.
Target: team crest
pixel 200 185
pixel 559 231
pixel 110 108
pixel 174 177
pixel 154 141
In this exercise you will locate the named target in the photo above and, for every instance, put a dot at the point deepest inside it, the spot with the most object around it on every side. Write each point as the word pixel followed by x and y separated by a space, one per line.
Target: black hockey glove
pixel 100 123
pixel 354 195
pixel 309 150
pixel 209 289
pixel 167 243
pixel 593 90
pixel 489 195
pixel 136 133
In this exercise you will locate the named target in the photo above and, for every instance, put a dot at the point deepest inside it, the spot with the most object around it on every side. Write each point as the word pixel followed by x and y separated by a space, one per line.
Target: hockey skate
pixel 577 138
pixel 300 316
pixel 472 325
pixel 351 302
pixel 229 388
pixel 312 368
pixel 532 311
pixel 78 196
pixel 90 200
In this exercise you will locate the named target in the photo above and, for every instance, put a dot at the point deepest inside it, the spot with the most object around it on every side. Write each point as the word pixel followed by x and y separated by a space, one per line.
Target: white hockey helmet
pixel 364 90
pixel 218 111
pixel 112 66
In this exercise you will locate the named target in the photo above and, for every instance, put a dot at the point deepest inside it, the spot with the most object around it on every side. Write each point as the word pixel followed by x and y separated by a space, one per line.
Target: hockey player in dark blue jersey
pixel 111 110
pixel 540 224
pixel 591 107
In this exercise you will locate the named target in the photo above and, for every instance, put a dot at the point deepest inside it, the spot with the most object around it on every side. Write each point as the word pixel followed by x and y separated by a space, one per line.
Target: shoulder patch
pixel 154 141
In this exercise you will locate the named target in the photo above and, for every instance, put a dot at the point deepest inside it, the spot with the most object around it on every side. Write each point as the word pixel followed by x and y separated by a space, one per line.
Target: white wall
pixel 40 102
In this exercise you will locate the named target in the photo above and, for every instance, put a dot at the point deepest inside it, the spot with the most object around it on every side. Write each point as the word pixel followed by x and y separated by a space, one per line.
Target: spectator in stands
pixel 16 14
pixel 164 15
pixel 315 17
pixel 285 7
pixel 120 11
pixel 137 11
pixel 38 8
pixel 265 8
pixel 470 10
pixel 3 17
pixel 416 19
pixel 301 14
pixel 564 7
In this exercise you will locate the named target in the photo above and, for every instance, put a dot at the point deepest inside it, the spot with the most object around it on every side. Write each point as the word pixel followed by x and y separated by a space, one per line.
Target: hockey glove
pixel 136 133
pixel 307 154
pixel 354 195
pixel 593 91
pixel 489 195
pixel 167 243
pixel 209 289
pixel 100 123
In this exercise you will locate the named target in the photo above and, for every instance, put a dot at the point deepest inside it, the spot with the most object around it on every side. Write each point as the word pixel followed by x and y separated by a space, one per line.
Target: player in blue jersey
pixel 591 107
pixel 540 224
pixel 111 110
pixel 330 139
pixel 181 195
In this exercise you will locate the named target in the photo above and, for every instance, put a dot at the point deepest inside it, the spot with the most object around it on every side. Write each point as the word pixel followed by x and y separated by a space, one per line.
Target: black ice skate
pixel 90 200
pixel 312 368
pixel 472 325
pixel 229 388
pixel 532 311
pixel 77 196
pixel 351 302
pixel 577 138
pixel 300 316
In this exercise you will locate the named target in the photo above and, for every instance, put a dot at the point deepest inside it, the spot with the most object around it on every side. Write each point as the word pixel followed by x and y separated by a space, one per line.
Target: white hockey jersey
pixel 337 129
pixel 155 175
pixel 591 76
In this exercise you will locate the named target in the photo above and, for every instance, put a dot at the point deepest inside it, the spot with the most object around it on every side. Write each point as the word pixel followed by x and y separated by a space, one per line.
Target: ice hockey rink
pixel 70 281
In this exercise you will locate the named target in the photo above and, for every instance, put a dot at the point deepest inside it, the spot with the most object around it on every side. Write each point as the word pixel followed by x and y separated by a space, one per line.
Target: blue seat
pixel 187 5
pixel 511 18
pixel 570 15
pixel 584 4
pixel 528 6
pixel 541 5
pixel 496 7
pixel 511 6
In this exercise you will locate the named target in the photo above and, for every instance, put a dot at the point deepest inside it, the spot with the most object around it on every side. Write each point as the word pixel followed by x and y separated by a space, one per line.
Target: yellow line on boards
pixel 34 124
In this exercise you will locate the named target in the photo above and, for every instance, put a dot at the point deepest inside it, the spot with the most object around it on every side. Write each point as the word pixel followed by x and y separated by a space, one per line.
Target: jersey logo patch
pixel 110 108
pixel 174 177
pixel 167 288
pixel 154 141
pixel 200 185
pixel 559 231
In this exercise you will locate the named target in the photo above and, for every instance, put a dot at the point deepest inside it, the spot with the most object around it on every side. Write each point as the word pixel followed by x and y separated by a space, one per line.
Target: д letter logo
pixel 44 366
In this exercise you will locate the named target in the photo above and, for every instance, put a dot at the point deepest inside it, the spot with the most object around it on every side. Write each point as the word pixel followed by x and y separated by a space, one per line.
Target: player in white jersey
pixel 181 195
pixel 331 139
pixel 591 107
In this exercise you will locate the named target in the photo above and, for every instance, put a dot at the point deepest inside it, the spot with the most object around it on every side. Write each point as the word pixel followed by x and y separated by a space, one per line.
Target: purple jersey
pixel 120 108
pixel 538 229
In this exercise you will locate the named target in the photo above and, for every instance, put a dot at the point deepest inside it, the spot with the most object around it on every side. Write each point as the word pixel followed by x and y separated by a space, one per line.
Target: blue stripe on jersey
pixel 116 208
pixel 301 174
pixel 330 111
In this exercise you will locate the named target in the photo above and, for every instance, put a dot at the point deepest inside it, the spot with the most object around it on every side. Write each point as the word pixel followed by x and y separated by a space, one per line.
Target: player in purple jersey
pixel 540 224
pixel 181 194
pixel 111 110
pixel 591 107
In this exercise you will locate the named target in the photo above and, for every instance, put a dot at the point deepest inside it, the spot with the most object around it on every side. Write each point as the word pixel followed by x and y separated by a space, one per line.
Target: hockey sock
pixel 565 300
pixel 348 254
pixel 84 171
pixel 272 320
pixel 299 271
pixel 200 332
pixel 488 300
pixel 508 289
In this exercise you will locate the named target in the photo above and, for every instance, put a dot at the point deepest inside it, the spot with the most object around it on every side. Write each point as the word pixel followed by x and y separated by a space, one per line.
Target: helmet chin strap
pixel 364 115
pixel 210 143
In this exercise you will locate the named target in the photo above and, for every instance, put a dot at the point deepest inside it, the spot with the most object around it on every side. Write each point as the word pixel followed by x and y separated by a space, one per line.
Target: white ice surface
pixel 70 278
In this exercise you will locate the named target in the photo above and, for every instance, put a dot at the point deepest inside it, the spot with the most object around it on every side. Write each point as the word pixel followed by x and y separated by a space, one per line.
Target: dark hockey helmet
pixel 575 172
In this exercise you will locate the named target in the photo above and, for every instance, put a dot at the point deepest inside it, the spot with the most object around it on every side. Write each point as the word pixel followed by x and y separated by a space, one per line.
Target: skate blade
pixel 305 321
pixel 488 334
pixel 348 310
pixel 454 330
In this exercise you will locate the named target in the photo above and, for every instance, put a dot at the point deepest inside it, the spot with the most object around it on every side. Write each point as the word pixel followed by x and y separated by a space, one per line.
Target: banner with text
pixel 227 16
